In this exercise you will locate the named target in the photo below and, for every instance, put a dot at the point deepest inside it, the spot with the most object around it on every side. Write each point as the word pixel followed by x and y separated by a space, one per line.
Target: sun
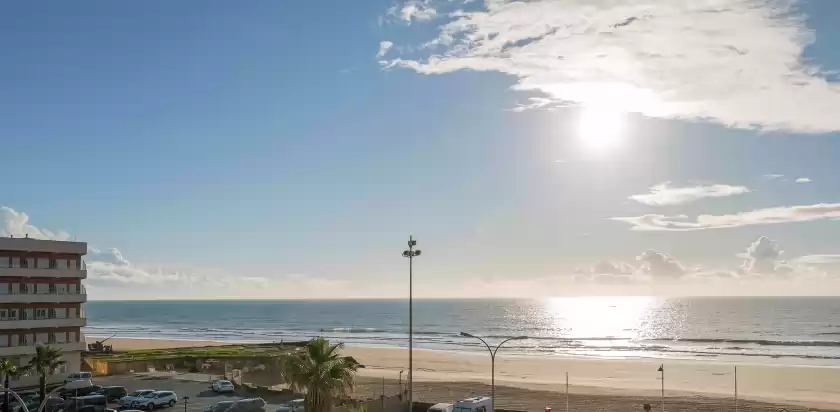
pixel 600 129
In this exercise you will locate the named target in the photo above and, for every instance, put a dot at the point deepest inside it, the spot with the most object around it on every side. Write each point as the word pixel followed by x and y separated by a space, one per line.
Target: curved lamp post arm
pixel 16 396
pixel 489 349
pixel 505 341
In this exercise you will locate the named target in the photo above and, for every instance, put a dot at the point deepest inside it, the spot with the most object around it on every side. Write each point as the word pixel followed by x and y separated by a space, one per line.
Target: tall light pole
pixel 411 254
pixel 492 363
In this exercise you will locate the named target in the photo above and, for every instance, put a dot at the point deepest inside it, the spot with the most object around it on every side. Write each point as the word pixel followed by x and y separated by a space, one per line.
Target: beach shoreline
pixel 790 385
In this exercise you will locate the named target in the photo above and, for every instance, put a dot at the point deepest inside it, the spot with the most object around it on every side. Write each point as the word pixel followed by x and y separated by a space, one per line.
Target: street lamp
pixel 186 401
pixel 492 363
pixel 410 254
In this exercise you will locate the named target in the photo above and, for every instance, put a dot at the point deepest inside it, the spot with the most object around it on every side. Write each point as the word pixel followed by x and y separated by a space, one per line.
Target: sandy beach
pixel 707 382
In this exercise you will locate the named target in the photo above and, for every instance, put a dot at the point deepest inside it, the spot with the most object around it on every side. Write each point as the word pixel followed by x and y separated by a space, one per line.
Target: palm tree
pixel 45 362
pixel 8 369
pixel 321 373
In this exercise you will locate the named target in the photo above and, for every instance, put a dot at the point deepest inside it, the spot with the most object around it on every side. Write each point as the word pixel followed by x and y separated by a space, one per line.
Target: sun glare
pixel 600 129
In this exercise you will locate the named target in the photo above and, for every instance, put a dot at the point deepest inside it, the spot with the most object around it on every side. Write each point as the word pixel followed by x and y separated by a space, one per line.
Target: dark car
pixel 112 392
pixel 90 403
pixel 85 391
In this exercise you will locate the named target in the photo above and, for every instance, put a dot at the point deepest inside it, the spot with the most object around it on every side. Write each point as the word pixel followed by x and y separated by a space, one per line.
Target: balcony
pixel 78 297
pixel 42 323
pixel 6 351
pixel 44 273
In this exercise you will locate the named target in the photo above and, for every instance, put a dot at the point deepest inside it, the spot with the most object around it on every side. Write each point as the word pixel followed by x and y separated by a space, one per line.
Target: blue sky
pixel 287 149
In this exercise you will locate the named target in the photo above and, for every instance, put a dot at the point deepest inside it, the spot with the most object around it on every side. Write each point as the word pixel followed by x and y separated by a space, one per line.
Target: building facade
pixel 41 302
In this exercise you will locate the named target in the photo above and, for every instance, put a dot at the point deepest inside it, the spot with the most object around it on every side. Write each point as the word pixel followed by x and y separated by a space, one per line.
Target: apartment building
pixel 41 302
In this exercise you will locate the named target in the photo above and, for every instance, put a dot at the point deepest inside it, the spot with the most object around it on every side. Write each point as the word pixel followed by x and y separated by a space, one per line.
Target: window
pixel 51 338
pixel 5 262
pixel 40 313
pixel 52 314
pixel 25 340
pixel 62 368
pixel 71 264
pixel 24 314
pixel 52 264
pixel 43 263
pixel 13 314
pixel 53 289
pixel 24 263
pixel 23 288
pixel 4 314
pixel 61 264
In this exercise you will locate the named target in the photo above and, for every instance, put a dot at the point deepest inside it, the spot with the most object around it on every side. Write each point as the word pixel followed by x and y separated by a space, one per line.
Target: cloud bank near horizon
pixel 744 69
pixel 112 275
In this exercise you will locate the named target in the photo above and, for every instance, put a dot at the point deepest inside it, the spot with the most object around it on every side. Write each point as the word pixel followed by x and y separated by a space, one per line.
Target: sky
pixel 204 149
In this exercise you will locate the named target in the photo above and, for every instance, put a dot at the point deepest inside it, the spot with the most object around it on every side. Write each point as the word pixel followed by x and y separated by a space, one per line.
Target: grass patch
pixel 227 351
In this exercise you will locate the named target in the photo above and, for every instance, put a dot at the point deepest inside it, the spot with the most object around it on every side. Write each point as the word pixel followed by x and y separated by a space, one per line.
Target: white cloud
pixel 773 176
pixel 413 10
pixel 735 62
pixel 662 195
pixel 606 267
pixel 13 223
pixel 803 180
pixel 763 257
pixel 774 215
pixel 660 265
pixel 384 46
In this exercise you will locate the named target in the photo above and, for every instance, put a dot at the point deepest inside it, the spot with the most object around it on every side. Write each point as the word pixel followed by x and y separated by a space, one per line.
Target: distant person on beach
pixel 647 407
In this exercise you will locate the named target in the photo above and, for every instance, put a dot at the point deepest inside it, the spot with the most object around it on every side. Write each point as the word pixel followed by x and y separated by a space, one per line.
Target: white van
pixel 78 376
pixel 441 407
pixel 474 404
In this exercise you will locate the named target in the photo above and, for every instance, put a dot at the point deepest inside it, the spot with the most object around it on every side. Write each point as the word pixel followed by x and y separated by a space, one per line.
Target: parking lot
pixel 201 396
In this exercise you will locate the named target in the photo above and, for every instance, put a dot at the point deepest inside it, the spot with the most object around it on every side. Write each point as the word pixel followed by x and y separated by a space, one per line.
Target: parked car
pixel 78 388
pixel 223 386
pixel 441 407
pixel 130 400
pixel 219 406
pixel 78 376
pixel 157 399
pixel 292 406
pixel 53 404
pixel 90 403
pixel 113 392
pixel 248 405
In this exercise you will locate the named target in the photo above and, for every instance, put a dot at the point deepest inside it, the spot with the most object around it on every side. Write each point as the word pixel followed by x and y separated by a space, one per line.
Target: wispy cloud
pixel 769 216
pixel 661 58
pixel 818 260
pixel 803 180
pixel 384 46
pixel 663 195
pixel 773 176
pixel 413 10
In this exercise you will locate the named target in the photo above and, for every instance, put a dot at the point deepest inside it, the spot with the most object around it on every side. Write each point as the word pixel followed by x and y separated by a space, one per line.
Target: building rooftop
pixel 25 244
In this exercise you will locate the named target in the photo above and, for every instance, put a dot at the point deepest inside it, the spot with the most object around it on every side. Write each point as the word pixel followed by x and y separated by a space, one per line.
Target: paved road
pixel 199 392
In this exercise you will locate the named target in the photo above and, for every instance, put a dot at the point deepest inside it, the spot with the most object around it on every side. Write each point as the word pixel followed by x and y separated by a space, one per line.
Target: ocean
pixel 783 330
